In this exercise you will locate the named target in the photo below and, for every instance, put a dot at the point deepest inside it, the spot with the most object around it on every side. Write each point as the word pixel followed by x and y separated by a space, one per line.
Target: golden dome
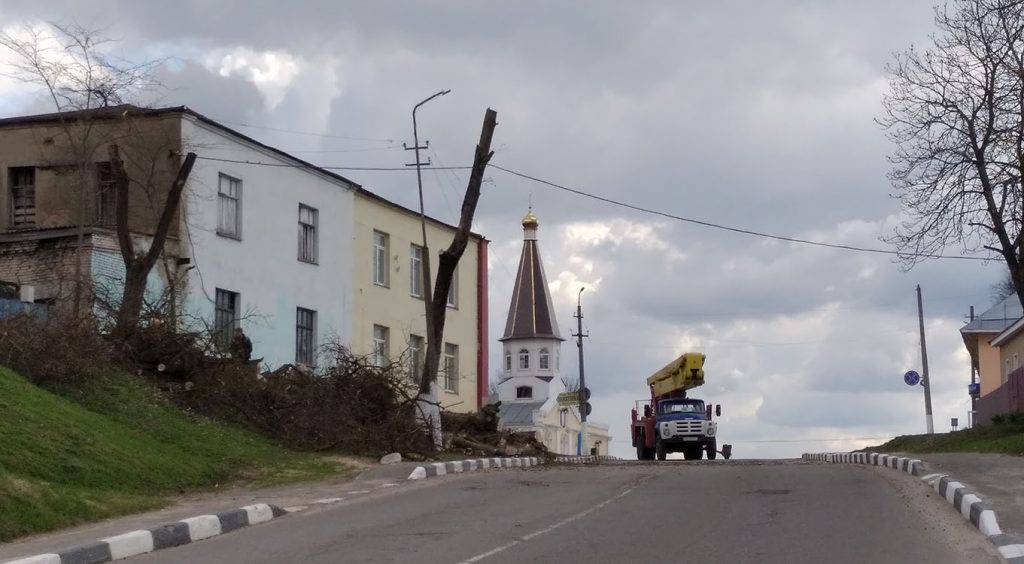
pixel 530 220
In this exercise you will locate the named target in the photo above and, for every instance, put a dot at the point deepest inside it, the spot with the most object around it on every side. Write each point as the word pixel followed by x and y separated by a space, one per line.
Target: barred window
pixel 23 196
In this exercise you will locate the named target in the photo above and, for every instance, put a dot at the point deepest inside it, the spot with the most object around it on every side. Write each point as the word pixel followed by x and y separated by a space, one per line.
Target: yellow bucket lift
pixel 683 373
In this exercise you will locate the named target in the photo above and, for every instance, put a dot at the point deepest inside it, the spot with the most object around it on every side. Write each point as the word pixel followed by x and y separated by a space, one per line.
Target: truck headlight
pixel 711 430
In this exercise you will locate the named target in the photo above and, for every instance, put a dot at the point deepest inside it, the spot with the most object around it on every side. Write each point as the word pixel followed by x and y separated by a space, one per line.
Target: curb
pixel 963 500
pixel 162 536
pixel 443 468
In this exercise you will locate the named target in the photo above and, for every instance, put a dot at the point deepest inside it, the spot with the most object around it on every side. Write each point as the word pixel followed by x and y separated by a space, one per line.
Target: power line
pixel 732 229
pixel 317 167
pixel 632 207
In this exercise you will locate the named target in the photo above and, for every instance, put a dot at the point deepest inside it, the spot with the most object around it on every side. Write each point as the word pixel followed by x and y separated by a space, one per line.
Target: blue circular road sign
pixel 912 378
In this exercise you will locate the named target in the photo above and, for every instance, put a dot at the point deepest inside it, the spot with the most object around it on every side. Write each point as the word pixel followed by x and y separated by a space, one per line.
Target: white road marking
pixel 327 500
pixel 356 492
pixel 296 508
pixel 546 530
pixel 389 485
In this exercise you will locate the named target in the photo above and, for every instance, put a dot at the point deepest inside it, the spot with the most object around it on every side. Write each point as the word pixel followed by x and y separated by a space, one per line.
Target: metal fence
pixel 1004 399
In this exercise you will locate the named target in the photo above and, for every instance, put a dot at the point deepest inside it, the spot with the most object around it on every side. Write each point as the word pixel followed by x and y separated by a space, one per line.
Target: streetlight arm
pixel 417 106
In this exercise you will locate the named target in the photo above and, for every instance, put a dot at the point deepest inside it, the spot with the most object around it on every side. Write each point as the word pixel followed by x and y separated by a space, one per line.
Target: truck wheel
pixel 660 450
pixel 691 453
pixel 712 450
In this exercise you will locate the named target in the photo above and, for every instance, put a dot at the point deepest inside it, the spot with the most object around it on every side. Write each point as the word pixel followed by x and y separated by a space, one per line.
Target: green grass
pixel 1007 438
pixel 116 446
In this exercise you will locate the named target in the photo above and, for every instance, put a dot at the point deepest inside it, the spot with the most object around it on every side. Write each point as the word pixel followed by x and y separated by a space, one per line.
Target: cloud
pixel 760 118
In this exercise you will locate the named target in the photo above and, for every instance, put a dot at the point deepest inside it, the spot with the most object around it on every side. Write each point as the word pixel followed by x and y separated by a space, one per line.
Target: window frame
pixel 521 395
pixel 28 193
pixel 508 361
pixel 452 299
pixel 381 344
pixel 415 271
pixel 380 274
pixel 236 199
pixel 450 362
pixel 544 359
pixel 106 195
pixel 416 348
pixel 225 303
pixel 524 355
pixel 305 336
pixel 309 235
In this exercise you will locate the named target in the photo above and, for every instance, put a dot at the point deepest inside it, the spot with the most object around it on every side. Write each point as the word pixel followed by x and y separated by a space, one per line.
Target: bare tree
pixel 956 114
pixel 447 263
pixel 70 64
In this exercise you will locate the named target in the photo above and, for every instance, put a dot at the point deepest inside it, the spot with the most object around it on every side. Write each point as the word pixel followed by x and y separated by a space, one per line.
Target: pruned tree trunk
pixel 447 262
pixel 138 265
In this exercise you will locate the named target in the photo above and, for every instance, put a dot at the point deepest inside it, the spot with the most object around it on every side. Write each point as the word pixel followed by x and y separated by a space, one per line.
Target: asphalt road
pixel 735 511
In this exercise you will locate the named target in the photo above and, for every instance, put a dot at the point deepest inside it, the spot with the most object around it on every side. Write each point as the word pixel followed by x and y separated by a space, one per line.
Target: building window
pixel 524 359
pixel 508 361
pixel 305 336
pixel 416 271
pixel 380 258
pixel 307 234
pixel 225 317
pixel 106 195
pixel 451 367
pixel 229 207
pixel 545 362
pixel 380 346
pixel 453 292
pixel 524 392
pixel 23 196
pixel 415 356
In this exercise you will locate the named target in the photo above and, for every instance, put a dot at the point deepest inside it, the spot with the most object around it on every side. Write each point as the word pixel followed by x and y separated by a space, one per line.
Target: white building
pixel 270 245
pixel 531 370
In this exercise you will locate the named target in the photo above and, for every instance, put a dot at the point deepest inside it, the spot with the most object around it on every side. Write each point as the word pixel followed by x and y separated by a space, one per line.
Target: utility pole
pixel 925 380
pixel 582 393
pixel 430 413
pixel 974 380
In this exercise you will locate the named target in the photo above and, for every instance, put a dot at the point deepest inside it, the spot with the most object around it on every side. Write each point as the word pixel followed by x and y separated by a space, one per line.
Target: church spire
pixel 530 315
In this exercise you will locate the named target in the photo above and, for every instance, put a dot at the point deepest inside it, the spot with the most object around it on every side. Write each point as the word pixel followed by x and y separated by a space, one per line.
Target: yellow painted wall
pixel 562 440
pixel 990 365
pixel 393 306
pixel 1011 355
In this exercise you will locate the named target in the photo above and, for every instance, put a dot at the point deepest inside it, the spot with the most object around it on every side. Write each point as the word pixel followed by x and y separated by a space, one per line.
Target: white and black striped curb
pixel 966 502
pixel 162 536
pixel 584 459
pixel 442 468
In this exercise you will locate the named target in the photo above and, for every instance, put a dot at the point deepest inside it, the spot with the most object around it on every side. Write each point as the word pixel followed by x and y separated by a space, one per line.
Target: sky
pixel 753 115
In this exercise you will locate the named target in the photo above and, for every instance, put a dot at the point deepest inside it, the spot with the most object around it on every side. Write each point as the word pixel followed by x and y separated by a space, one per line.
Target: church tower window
pixel 524 392
pixel 545 359
pixel 524 359
pixel 508 361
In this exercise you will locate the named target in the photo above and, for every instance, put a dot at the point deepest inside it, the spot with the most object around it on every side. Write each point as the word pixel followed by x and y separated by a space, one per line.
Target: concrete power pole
pixel 925 380
pixel 584 439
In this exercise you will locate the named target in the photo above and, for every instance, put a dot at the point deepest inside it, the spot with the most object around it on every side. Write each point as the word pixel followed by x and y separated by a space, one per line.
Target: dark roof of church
pixel 530 314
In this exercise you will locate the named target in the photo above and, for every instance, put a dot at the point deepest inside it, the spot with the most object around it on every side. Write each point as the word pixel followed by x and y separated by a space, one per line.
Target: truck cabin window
pixel 694 407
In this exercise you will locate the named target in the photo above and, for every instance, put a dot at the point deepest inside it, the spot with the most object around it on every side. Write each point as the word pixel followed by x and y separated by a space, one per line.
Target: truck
pixel 672 422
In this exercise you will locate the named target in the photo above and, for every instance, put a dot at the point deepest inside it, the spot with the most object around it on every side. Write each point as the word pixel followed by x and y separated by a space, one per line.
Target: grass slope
pixel 1007 438
pixel 118 447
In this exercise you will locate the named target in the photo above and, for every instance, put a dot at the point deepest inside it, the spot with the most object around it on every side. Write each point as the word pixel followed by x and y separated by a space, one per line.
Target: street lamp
pixel 427 286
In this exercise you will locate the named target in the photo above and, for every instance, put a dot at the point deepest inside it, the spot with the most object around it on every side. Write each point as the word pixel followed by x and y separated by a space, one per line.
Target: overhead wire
pixel 638 208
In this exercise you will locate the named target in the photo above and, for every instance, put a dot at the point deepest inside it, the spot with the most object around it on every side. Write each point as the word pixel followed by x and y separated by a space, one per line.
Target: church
pixel 531 378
